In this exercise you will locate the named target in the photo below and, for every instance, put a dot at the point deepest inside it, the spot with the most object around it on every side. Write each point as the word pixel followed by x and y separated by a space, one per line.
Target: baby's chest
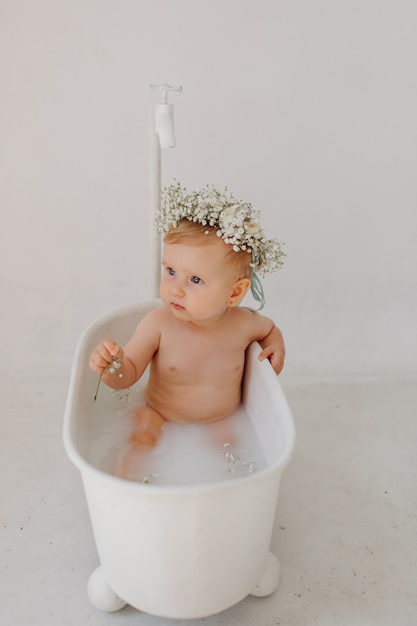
pixel 195 356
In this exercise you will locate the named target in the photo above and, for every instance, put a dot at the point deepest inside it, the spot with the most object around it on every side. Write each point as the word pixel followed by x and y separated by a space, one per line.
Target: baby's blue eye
pixel 171 272
pixel 196 280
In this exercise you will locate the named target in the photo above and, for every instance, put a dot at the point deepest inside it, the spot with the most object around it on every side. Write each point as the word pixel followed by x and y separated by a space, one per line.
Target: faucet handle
pixel 164 90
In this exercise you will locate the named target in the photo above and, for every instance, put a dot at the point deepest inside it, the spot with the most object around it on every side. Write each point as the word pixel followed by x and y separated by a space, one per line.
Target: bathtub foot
pixel 270 579
pixel 101 595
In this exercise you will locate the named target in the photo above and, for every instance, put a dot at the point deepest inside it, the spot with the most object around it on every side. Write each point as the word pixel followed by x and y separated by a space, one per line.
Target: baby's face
pixel 197 282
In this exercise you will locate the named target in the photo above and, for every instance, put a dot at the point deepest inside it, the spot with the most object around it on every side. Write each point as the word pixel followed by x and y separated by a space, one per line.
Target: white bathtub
pixel 180 552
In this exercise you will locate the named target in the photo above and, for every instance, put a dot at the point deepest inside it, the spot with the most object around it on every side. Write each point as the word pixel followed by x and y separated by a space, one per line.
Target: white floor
pixel 345 531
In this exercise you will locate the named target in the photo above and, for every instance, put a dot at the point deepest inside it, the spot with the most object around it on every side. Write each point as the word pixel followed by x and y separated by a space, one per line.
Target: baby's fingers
pixel 112 349
pixel 98 362
pixel 266 353
pixel 105 354
pixel 276 358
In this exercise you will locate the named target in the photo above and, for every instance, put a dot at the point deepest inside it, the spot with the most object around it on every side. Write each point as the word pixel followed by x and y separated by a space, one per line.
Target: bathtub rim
pixel 85 467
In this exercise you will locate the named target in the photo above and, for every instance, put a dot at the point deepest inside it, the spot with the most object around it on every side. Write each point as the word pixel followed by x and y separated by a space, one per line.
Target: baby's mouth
pixel 177 306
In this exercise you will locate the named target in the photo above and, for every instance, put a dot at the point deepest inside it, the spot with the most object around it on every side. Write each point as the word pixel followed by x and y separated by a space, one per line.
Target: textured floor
pixel 345 531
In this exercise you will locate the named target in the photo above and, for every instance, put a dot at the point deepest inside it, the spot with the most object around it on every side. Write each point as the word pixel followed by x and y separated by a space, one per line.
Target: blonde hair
pixel 194 234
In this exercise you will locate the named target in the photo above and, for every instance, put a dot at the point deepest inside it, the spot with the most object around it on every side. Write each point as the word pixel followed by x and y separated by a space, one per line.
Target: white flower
pixel 227 214
pixel 252 227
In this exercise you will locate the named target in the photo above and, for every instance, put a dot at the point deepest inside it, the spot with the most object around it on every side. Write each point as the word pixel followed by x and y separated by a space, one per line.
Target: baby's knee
pixel 147 427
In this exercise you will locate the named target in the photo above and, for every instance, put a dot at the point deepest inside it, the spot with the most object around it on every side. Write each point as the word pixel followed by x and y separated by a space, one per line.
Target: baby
pixel 195 343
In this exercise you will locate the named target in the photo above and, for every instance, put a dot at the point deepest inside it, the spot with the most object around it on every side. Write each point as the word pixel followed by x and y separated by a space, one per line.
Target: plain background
pixel 305 108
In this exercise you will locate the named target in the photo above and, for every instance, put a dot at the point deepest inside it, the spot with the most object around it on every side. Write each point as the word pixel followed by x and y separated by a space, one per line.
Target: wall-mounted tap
pixel 164 116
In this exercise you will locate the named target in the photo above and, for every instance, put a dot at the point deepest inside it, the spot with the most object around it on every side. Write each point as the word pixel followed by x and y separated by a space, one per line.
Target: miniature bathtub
pixel 187 551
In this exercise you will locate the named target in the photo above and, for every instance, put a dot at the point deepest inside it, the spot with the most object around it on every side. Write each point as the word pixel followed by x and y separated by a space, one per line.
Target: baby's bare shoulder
pixel 156 316
pixel 257 326
pixel 149 327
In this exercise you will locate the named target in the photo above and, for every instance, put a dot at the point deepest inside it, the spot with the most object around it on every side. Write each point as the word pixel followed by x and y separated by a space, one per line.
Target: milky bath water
pixel 186 453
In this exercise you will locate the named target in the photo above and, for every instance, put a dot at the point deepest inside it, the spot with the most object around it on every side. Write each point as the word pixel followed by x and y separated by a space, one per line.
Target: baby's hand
pixel 276 356
pixel 104 355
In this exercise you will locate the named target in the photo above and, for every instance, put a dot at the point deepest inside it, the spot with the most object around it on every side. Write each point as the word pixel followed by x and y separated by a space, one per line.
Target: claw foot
pixel 270 579
pixel 101 595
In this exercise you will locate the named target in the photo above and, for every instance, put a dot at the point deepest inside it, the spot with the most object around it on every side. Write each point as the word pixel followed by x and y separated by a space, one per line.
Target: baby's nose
pixel 178 289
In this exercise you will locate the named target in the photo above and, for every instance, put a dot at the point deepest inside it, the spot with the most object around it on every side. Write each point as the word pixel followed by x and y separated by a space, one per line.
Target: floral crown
pixel 235 221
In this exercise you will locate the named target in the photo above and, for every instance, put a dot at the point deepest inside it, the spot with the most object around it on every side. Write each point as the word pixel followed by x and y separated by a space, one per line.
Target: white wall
pixel 307 108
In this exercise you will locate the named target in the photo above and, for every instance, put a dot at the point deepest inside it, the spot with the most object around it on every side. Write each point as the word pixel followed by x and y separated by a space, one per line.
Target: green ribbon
pixel 257 293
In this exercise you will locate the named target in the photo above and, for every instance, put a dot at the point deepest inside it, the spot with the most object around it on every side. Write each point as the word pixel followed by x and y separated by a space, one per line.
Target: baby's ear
pixel 239 291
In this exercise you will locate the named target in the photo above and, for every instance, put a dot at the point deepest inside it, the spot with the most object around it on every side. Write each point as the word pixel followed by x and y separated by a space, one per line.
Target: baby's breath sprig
pixel 237 222
pixel 112 368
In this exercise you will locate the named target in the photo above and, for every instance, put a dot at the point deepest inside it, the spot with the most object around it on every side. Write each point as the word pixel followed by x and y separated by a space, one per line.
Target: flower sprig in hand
pixel 107 359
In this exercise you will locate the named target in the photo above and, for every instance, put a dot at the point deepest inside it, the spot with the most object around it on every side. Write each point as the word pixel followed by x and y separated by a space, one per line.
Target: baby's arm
pixel 273 348
pixel 133 359
pixel 270 338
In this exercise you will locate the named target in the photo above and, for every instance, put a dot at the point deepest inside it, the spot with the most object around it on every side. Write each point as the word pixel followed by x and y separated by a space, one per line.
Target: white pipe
pixel 161 135
pixel 155 202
